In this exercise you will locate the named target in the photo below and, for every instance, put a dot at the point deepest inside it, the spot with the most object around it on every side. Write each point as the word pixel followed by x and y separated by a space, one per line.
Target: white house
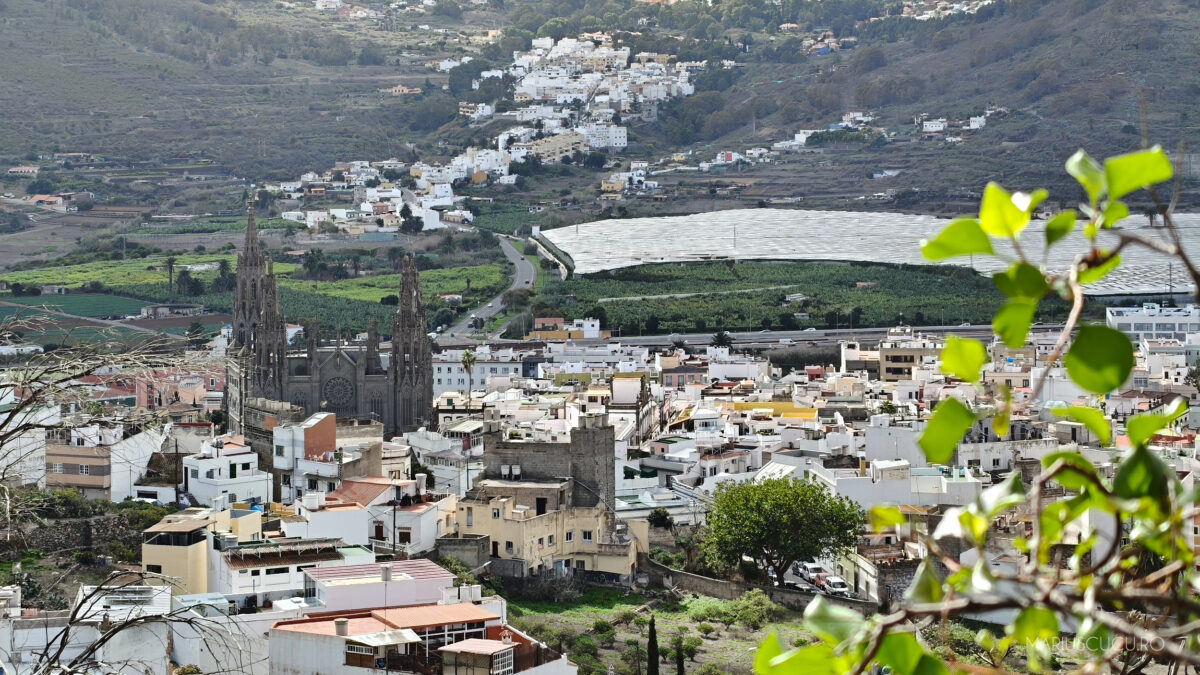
pixel 226 469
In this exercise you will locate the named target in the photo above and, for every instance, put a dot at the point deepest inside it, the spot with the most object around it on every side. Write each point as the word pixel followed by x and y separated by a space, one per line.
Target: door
pixel 495 549
pixel 541 506
pixel 378 530
pixel 233 470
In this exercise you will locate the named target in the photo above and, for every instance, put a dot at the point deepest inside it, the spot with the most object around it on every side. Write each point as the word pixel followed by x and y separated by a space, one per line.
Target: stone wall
pixel 731 590
pixel 587 458
pixel 472 550
pixel 69 536
pixel 893 578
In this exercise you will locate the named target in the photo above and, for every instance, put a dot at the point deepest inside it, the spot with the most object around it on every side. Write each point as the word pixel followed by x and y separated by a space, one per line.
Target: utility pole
pixel 177 475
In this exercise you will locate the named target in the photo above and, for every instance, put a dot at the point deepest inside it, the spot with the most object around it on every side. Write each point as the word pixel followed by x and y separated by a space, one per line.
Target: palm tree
pixel 395 254
pixel 224 268
pixel 183 281
pixel 170 262
pixel 468 364
pixel 722 339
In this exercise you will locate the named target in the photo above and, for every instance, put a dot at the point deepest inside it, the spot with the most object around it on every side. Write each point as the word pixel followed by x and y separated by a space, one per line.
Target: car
pixel 491 304
pixel 836 586
pixel 807 570
pixel 765 330
pixel 965 324
pixel 810 330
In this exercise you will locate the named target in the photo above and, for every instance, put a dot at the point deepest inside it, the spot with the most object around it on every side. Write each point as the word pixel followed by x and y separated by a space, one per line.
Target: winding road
pixel 525 276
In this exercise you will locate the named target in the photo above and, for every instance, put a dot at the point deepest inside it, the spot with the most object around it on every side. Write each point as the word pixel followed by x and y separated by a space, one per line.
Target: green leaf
pixel 831 623
pixel 883 517
pixel 1002 421
pixel 926 587
pixel 1012 322
pixel 962 358
pixel 815 658
pixel 1059 226
pixel 1091 418
pixel 1071 479
pixel 1142 474
pixel 1035 624
pixel 1100 359
pixel 1114 212
pixel 1022 281
pixel 963 236
pixel 945 429
pixel 1093 636
pixel 768 650
pixel 999 214
pixel 900 652
pixel 1005 494
pixel 1136 170
pixel 1089 173
pixel 1090 275
pixel 1141 428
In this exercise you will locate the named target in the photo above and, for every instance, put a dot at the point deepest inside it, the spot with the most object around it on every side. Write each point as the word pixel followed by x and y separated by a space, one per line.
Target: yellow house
pixel 177 546
pixel 533 530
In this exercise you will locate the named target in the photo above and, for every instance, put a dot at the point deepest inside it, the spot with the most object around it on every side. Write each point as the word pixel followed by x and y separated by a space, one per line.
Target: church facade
pixel 350 378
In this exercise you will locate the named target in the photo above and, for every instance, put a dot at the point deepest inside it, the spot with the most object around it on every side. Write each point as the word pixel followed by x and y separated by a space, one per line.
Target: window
pixel 56 468
pixel 208 474
pixel 331 486
pixel 85 470
pixel 587 536
pixel 285 479
pixel 279 451
pixel 470 516
pixel 495 513
pixel 541 543
pixel 570 536
pixel 195 473
pixel 312 483
pixel 245 466
pixel 508 547
pixel 550 540
pixel 276 570
pixel 255 573
pixel 359 649
pixel 154 569
pixel 996 461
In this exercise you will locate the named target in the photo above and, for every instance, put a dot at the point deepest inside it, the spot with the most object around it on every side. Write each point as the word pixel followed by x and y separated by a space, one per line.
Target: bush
pixel 754 609
pixel 706 629
pixel 659 517
pixel 625 617
pixel 583 646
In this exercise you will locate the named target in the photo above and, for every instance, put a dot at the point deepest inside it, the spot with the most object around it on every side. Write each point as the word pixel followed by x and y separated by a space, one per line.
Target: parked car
pixel 836 586
pixel 807 570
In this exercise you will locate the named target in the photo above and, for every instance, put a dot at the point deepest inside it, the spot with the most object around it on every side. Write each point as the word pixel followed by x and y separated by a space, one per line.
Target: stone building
pixel 351 378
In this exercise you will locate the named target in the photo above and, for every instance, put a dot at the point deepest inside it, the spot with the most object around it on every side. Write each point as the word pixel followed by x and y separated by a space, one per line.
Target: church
pixel 350 378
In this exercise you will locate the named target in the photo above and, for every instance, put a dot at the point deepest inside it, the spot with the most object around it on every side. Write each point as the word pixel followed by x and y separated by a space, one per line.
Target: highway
pixel 524 277
pixel 813 338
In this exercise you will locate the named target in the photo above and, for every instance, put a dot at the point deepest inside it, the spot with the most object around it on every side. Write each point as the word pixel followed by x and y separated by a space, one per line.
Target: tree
pixel 183 281
pixel 195 335
pixel 170 264
pixel 634 654
pixel 395 255
pixel 1129 596
pixel 747 519
pixel 659 517
pixel 677 648
pixel 652 649
pixel 468 364
pixel 722 339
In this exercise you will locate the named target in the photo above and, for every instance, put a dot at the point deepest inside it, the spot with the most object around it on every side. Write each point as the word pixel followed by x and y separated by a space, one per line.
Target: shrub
pixel 706 629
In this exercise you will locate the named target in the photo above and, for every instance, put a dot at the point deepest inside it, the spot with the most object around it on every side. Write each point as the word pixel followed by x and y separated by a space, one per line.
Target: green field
pixel 346 304
pixel 83 304
pixel 877 295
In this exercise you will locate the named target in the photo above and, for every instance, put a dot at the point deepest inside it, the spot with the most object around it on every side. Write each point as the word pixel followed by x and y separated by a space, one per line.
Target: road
pixel 524 277
pixel 805 338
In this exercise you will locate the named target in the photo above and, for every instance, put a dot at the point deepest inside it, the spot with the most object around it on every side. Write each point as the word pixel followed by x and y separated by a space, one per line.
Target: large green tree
pixel 778 522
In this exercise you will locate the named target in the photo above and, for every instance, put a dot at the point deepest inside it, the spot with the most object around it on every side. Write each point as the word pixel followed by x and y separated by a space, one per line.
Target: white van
pixel 807 570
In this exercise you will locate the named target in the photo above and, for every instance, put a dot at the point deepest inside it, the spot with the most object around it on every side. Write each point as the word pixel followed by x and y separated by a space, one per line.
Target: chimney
pixel 341 627
pixel 385 572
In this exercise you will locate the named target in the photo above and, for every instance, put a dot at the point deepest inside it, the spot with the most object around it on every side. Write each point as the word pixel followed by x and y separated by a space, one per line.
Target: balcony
pixel 400 550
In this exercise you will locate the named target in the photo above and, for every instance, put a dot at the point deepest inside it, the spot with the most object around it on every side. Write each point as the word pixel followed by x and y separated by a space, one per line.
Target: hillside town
pixel 315 535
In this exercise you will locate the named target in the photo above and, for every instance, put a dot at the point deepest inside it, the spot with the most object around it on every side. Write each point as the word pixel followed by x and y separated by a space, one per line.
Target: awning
pixel 384 638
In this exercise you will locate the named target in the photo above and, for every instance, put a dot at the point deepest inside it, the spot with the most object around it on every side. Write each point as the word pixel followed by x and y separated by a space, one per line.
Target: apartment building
pixel 1154 321
pixel 177 547
pixel 103 460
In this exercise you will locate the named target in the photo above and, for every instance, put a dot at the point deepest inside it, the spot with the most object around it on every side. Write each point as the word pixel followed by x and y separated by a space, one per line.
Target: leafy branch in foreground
pixel 1126 605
